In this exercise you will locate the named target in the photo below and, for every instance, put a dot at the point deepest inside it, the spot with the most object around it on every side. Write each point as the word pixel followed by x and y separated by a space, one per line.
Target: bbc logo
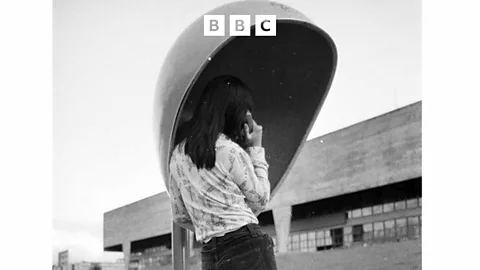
pixel 214 25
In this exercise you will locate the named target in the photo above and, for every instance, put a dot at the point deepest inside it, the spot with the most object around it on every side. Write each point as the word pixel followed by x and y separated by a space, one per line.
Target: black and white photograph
pixel 239 134
pixel 177 146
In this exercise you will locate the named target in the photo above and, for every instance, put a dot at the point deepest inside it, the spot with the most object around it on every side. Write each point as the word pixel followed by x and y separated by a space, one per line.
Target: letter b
pixel 214 25
pixel 239 25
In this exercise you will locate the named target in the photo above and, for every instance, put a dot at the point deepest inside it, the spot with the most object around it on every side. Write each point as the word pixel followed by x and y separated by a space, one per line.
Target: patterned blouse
pixel 222 199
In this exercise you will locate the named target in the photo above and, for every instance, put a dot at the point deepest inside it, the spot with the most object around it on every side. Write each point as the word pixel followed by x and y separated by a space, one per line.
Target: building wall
pixel 140 220
pixel 377 152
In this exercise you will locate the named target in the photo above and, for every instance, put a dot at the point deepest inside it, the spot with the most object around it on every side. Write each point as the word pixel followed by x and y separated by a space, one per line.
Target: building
pixel 63 260
pixel 63 264
pixel 361 184
pixel 98 266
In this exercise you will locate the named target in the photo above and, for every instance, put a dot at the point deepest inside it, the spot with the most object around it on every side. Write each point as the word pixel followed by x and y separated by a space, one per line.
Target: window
pixel 400 205
pixel 337 235
pixel 356 213
pixel 367 232
pixel 367 211
pixel 311 240
pixel 390 229
pixel 357 233
pixel 347 235
pixel 412 203
pixel 349 214
pixel 328 238
pixel 412 221
pixel 295 242
pixel 388 207
pixel 303 241
pixel 320 238
pixel 413 227
pixel 378 231
pixel 377 209
pixel 401 227
pixel 420 201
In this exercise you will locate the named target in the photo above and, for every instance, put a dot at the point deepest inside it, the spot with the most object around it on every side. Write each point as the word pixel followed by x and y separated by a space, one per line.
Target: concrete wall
pixel 140 220
pixel 373 153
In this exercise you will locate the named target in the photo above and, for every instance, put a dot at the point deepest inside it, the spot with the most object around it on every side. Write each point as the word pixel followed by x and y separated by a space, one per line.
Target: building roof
pixel 376 152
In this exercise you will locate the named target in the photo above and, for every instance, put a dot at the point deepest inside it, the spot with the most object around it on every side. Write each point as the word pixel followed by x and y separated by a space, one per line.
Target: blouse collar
pixel 223 137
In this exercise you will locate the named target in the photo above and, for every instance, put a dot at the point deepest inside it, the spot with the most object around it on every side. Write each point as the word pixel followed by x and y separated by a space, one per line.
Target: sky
pixel 107 56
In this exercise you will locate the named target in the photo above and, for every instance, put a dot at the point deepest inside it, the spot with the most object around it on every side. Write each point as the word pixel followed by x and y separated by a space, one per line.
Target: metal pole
pixel 186 249
pixel 180 249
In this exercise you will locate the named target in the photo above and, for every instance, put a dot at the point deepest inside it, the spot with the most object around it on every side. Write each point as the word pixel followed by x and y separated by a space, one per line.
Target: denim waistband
pixel 252 229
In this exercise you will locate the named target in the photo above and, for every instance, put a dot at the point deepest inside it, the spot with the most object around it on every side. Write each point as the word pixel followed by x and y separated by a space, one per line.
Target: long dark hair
pixel 222 108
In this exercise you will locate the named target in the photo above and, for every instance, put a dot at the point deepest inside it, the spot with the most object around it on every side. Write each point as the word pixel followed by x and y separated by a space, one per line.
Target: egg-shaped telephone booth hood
pixel 290 75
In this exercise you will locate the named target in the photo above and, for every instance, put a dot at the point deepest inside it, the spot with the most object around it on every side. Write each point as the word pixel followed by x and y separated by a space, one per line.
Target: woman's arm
pixel 188 225
pixel 249 170
pixel 179 211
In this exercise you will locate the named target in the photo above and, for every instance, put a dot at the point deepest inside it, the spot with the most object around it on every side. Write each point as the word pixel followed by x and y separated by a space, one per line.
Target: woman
pixel 219 179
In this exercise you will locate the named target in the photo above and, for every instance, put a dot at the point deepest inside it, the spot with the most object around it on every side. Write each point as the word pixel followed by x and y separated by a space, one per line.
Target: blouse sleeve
pixel 179 211
pixel 249 171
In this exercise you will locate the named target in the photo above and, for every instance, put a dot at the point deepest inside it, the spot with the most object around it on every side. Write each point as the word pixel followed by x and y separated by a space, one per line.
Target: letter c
pixel 263 28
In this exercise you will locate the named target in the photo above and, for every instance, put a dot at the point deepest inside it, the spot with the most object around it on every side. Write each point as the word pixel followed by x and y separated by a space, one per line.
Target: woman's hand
pixel 255 137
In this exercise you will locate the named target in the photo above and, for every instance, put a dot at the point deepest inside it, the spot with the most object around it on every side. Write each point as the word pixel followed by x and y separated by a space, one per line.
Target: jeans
pixel 244 249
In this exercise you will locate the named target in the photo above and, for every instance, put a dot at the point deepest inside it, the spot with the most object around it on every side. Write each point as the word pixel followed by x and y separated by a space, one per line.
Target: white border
pixel 26 134
pixel 450 134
